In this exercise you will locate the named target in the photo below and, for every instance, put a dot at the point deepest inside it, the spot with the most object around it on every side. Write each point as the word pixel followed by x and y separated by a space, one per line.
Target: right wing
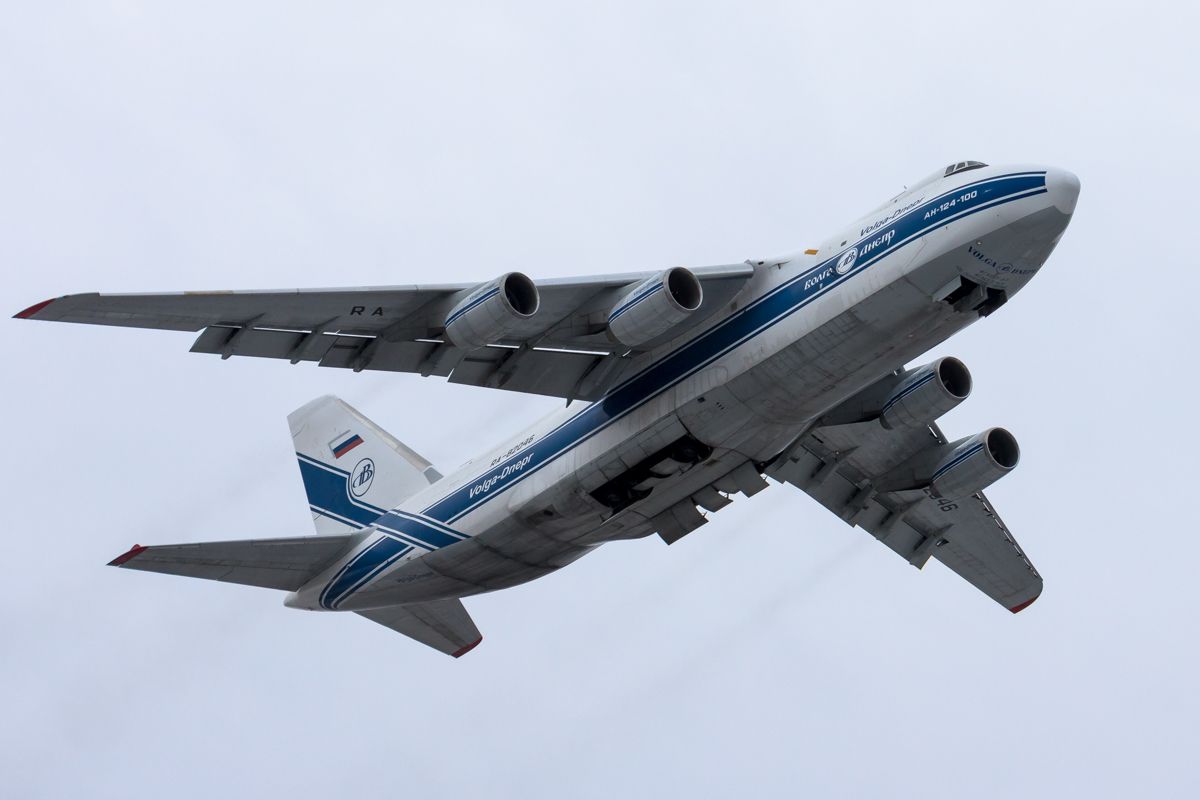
pixel 562 350
pixel 837 465
pixel 443 625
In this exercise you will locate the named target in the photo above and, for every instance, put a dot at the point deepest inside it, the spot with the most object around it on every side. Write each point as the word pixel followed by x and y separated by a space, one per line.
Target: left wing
pixel 839 466
pixel 562 350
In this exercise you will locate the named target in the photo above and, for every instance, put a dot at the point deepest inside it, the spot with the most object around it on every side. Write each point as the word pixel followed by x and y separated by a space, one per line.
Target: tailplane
pixel 443 625
pixel 353 470
pixel 284 564
pixel 289 564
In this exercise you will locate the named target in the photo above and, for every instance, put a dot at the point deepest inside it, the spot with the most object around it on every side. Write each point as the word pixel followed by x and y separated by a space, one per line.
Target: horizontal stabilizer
pixel 444 625
pixel 271 563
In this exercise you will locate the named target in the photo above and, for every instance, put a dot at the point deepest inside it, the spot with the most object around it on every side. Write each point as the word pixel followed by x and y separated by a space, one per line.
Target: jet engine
pixel 926 393
pixel 492 310
pixel 908 399
pixel 957 469
pixel 655 306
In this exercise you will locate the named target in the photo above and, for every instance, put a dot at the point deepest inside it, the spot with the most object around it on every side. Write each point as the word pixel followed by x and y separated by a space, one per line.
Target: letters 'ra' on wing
pixel 553 337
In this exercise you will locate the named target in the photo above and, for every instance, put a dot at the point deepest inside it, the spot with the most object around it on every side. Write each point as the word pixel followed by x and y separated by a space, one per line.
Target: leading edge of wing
pixel 193 310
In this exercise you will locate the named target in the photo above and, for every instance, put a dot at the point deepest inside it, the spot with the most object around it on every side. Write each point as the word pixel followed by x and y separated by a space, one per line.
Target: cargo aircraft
pixel 683 388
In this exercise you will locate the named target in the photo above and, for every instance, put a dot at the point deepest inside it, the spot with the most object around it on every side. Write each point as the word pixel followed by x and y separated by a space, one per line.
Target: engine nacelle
pixel 913 398
pixel 926 393
pixel 975 463
pixel 655 306
pixel 492 310
pixel 957 469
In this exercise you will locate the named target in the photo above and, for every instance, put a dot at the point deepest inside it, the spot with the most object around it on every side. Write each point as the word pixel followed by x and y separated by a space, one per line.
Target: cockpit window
pixel 962 166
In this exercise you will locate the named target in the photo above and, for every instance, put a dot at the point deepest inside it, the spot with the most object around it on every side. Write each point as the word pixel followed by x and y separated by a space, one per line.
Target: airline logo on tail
pixel 361 478
pixel 344 444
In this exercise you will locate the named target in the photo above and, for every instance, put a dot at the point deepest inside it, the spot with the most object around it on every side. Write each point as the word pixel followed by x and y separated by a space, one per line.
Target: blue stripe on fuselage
pixel 419 529
pixel 360 569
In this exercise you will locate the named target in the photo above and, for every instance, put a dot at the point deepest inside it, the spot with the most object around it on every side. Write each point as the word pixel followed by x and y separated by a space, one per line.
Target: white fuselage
pixel 807 332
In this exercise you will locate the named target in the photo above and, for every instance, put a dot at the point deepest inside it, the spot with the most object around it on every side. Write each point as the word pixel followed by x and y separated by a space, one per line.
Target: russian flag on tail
pixel 344 444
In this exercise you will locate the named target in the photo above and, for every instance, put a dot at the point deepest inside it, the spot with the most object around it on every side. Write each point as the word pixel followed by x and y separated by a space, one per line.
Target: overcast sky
pixel 776 652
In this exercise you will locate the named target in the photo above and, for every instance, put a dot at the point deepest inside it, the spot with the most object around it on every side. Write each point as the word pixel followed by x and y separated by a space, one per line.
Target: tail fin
pixel 353 470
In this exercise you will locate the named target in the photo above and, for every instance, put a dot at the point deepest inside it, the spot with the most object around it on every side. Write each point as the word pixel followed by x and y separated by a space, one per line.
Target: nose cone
pixel 1063 188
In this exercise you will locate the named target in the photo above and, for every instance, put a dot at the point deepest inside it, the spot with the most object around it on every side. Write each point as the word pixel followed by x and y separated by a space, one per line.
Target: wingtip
pixel 33 309
pixel 467 649
pixel 127 555
pixel 1022 606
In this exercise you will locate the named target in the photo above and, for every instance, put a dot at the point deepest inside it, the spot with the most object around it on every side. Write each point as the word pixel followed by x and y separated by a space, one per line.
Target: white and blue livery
pixel 683 388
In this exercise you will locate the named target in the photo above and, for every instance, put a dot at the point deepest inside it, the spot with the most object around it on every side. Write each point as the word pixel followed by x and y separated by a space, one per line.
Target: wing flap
pixel 443 625
pixel 285 564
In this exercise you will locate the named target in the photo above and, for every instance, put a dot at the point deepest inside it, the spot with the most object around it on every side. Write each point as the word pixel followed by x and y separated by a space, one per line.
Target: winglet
pixel 34 309
pixel 133 553
pixel 467 649
pixel 1017 608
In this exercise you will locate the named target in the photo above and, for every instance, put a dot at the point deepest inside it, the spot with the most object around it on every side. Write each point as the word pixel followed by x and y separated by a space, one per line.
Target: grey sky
pixel 776 652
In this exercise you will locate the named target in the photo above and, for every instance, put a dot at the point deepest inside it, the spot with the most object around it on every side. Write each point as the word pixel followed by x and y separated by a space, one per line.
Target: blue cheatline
pixel 383 552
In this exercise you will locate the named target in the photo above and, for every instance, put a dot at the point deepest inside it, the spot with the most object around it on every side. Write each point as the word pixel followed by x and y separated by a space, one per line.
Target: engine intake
pixel 655 306
pixel 492 310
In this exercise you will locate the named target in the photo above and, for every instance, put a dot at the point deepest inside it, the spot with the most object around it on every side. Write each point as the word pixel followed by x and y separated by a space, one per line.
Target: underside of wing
pixel 570 338
pixel 443 625
pixel 838 467
pixel 879 462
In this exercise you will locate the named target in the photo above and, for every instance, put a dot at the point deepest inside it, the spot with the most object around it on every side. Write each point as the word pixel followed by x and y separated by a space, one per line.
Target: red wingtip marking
pixel 468 648
pixel 133 552
pixel 33 309
pixel 1024 605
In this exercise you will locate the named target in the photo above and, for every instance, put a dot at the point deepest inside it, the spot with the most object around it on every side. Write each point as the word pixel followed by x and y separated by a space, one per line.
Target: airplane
pixel 682 387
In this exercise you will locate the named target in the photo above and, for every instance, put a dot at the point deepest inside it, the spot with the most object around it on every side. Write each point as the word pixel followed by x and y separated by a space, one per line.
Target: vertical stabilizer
pixel 353 470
